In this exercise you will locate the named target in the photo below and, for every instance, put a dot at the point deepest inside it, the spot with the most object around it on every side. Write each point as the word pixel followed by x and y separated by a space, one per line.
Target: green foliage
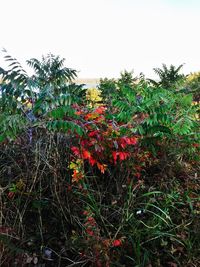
pixel 11 126
pixel 112 185
pixel 50 90
pixel 64 127
pixel 111 88
pixel 107 87
pixel 127 78
pixel 158 115
pixel 169 77
pixel 13 86
pixel 51 71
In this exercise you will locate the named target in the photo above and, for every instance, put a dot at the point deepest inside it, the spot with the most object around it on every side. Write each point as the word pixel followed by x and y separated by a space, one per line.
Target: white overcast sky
pixel 100 38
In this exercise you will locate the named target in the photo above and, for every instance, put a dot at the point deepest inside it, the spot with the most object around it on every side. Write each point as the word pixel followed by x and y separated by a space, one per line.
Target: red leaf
pixel 196 145
pixel 93 133
pixel 114 154
pixel 92 161
pixel 123 155
pixel 117 243
pixel 11 195
pixel 90 232
pixel 131 140
pixel 120 154
pixel 122 142
pixel 85 212
pixel 90 219
pixel 75 150
pixel 86 154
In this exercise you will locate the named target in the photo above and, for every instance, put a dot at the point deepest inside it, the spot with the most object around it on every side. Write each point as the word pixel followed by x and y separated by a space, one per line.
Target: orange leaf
pixel 101 167
pixel 91 116
pixel 100 110
pixel 86 154
pixel 77 176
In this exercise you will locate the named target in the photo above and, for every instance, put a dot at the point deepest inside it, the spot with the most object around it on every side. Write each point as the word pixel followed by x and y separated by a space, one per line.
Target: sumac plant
pixel 105 143
pixel 82 184
pixel 166 121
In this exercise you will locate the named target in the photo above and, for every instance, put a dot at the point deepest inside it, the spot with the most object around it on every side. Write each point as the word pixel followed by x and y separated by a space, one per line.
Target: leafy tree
pixel 14 86
pixel 50 71
pixel 50 88
pixel 169 77
pixel 107 87
pixel 127 78
pixel 110 87
pixel 160 116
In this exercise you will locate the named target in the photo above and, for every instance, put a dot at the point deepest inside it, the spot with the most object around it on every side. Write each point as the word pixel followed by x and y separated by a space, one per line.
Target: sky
pixel 101 38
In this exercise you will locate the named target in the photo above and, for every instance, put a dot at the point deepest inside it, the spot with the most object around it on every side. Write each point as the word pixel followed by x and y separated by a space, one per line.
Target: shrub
pixel 113 184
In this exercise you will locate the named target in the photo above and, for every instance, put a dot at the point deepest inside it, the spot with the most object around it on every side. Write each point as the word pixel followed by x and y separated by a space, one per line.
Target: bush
pixel 110 184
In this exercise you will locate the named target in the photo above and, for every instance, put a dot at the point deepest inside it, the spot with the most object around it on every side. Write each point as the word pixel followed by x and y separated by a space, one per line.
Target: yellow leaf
pixel 72 166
